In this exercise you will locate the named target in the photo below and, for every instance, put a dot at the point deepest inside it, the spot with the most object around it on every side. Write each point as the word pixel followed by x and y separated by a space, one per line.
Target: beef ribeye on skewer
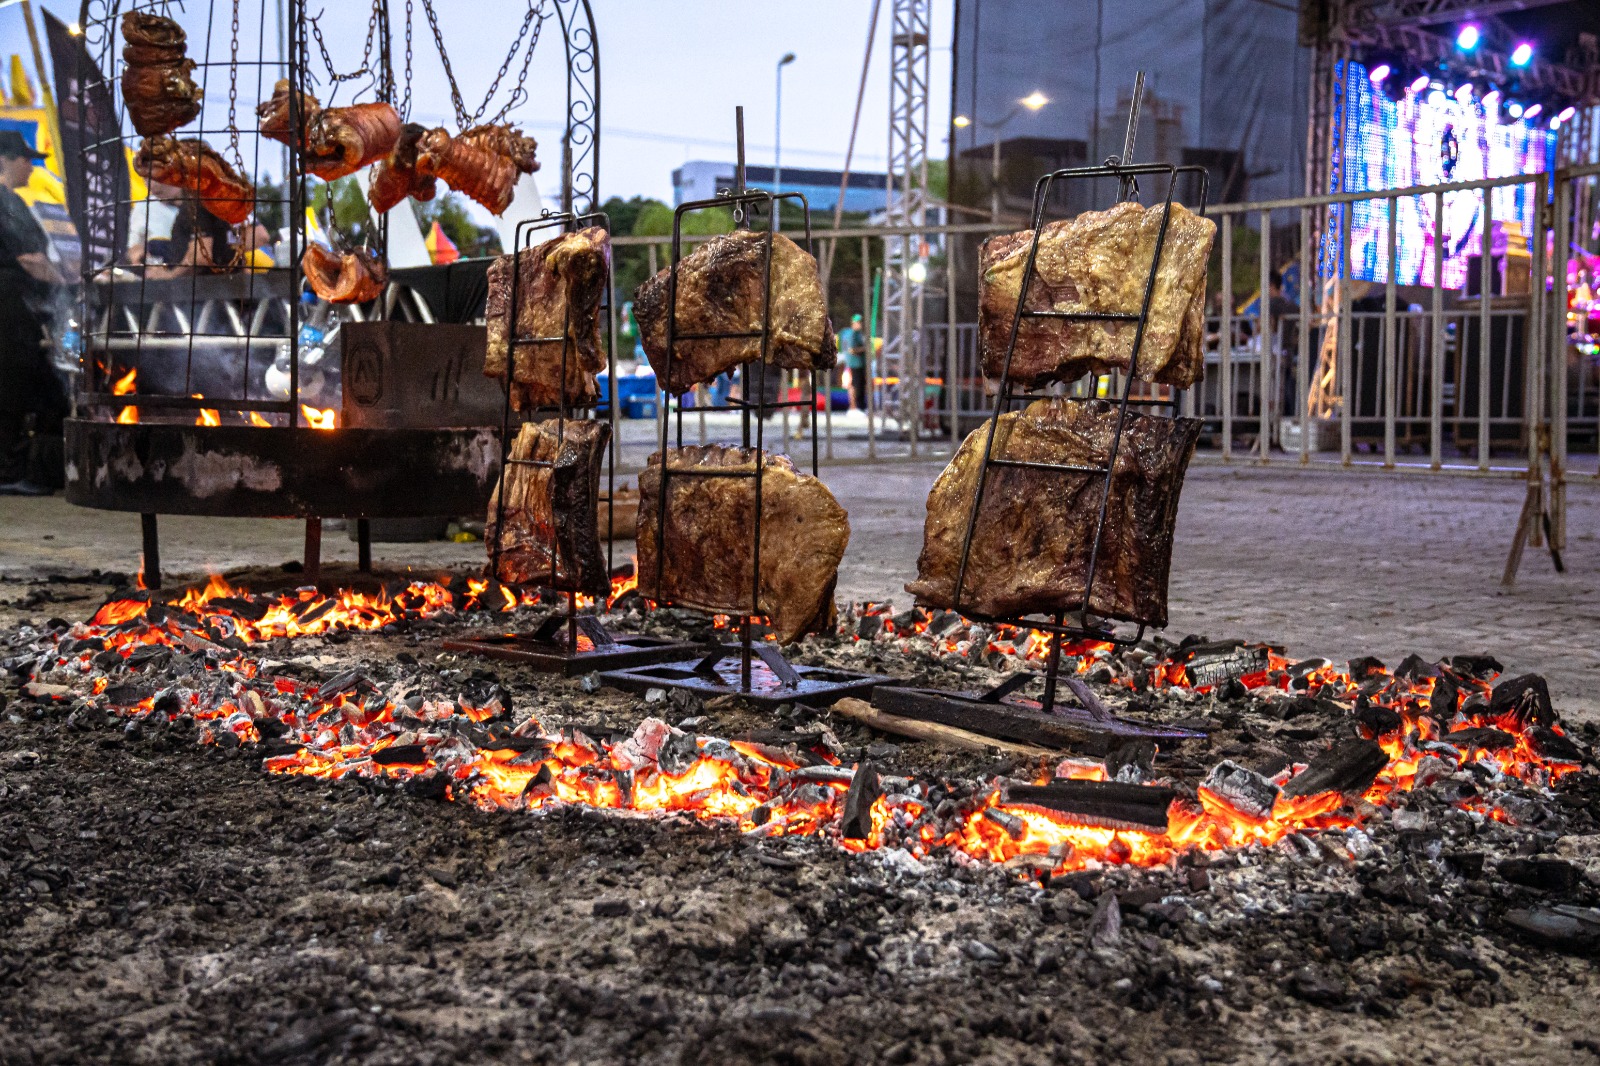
pixel 551 511
pixel 720 288
pixel 1035 531
pixel 563 283
pixel 1098 262
pixel 710 528
pixel 157 81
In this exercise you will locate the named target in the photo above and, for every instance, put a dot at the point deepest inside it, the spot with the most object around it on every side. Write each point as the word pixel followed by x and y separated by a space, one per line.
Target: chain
pixel 233 94
pixel 334 77
pixel 534 20
pixel 405 102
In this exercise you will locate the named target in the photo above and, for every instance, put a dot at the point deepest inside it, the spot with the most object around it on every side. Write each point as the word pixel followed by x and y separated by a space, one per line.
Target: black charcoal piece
pixel 865 788
pixel 1348 768
pixel 1526 698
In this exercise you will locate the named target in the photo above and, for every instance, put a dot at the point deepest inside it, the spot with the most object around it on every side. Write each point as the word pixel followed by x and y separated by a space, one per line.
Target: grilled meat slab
pixel 551 510
pixel 1098 262
pixel 1031 546
pixel 157 81
pixel 710 528
pixel 563 283
pixel 720 289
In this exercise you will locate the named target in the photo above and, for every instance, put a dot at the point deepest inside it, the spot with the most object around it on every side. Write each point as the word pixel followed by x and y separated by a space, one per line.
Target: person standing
pixel 853 342
pixel 32 401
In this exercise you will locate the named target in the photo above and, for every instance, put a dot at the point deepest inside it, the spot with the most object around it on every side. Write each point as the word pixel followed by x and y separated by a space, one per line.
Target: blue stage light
pixel 1469 36
pixel 1522 54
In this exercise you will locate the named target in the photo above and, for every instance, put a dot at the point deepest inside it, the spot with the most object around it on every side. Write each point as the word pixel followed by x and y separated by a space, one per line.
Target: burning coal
pixel 1411 728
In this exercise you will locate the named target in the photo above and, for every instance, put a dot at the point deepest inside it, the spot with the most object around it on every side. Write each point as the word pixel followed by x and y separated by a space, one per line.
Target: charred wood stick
pixel 1109 804
pixel 865 788
pixel 933 732
pixel 1349 768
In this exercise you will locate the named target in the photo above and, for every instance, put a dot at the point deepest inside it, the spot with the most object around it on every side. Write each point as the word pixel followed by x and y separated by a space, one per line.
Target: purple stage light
pixel 1379 72
pixel 1469 36
pixel 1522 54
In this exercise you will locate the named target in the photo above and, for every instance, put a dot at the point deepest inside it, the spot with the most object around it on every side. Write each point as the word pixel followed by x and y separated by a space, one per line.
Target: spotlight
pixel 961 122
pixel 1532 112
pixel 1567 113
pixel 1419 83
pixel 1514 109
pixel 1378 73
pixel 1463 93
pixel 1469 36
pixel 1522 54
pixel 1555 122
pixel 1491 99
pixel 1437 98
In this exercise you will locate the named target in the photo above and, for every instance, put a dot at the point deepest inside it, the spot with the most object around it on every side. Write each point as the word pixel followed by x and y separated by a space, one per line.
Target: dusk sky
pixel 672 73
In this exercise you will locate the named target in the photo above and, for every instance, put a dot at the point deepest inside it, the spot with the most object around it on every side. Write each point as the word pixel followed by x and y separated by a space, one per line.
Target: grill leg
pixel 364 545
pixel 313 549
pixel 150 566
pixel 1052 671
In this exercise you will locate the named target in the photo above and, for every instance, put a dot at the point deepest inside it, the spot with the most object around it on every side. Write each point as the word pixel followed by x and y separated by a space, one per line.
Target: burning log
pixel 932 732
pixel 1029 558
pixel 551 485
pixel 722 289
pixel 1348 768
pixel 1216 664
pixel 1244 792
pixel 562 283
pixel 1098 262
pixel 1107 804
pixel 709 561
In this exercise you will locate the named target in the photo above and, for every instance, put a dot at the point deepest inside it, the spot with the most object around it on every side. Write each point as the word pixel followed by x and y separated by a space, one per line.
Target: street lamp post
pixel 1032 102
pixel 777 132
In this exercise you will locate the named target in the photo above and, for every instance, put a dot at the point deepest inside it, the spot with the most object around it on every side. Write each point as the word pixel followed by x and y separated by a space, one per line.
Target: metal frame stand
pixel 1091 715
pixel 565 641
pixel 761 672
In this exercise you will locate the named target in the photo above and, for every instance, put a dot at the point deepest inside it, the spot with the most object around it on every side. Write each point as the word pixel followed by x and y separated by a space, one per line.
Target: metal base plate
pixel 816 686
pixel 1019 719
pixel 554 657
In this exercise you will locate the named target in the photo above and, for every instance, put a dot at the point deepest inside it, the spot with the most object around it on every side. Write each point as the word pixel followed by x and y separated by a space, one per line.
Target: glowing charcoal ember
pixel 1348 768
pixel 1240 791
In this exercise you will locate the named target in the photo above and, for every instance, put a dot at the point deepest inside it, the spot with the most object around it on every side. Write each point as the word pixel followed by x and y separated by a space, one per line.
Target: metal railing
pixel 1399 377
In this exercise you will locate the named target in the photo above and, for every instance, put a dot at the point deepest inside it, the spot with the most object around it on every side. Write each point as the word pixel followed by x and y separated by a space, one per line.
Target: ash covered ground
pixel 165 902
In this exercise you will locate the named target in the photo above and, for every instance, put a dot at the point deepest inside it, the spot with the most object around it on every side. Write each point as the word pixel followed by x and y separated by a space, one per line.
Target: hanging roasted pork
pixel 482 163
pixel 551 535
pixel 721 289
pixel 1035 532
pixel 395 176
pixel 1098 262
pixel 354 277
pixel 710 529
pixel 157 81
pixel 338 140
pixel 194 165
pixel 561 284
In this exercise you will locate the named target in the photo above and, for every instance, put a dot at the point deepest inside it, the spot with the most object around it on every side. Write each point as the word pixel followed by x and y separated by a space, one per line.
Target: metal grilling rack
pixel 762 673
pixel 566 641
pixel 1090 724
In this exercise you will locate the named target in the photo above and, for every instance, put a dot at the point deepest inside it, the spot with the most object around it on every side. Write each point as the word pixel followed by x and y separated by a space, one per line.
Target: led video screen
pixel 1394 145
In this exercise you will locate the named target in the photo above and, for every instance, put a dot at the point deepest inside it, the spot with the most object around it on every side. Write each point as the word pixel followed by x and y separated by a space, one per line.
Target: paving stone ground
pixel 1324 563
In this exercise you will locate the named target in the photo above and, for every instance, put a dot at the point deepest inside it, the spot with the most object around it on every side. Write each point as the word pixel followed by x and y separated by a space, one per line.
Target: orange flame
pixel 128 416
pixel 320 418
pixel 257 420
pixel 127 384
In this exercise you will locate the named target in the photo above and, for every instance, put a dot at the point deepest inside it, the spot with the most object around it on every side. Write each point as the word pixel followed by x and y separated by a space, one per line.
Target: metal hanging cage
pixel 172 414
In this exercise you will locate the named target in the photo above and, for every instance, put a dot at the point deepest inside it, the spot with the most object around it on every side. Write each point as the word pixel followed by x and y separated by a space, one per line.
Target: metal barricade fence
pixel 1366 371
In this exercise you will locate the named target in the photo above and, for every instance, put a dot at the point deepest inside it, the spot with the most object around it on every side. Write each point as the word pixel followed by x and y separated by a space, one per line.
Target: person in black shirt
pixel 29 388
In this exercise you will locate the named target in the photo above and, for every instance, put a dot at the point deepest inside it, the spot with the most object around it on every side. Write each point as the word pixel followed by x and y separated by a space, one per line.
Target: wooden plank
pixel 950 737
